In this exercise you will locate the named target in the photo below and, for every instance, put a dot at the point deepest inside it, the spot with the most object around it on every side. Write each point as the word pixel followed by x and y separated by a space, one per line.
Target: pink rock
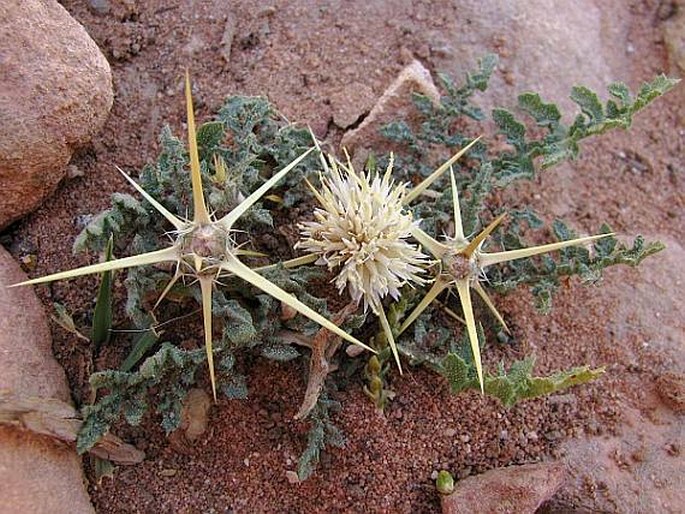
pixel 38 474
pixel 27 365
pixel 511 490
pixel 395 104
pixel 56 94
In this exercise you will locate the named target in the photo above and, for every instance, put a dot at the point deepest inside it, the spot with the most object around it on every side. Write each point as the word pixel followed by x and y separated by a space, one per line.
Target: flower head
pixel 361 230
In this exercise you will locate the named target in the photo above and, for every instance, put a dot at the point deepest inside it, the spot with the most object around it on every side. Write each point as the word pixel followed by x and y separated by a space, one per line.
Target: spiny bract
pixel 204 248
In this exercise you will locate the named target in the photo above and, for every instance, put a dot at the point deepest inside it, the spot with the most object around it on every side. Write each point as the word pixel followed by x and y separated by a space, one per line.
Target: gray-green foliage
pixel 322 433
pixel 543 275
pixel 516 384
pixel 487 169
pixel 171 371
pixel 252 139
pixel 559 141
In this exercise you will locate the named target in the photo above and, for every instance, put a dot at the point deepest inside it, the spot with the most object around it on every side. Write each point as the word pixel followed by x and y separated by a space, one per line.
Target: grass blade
pixel 142 345
pixel 102 316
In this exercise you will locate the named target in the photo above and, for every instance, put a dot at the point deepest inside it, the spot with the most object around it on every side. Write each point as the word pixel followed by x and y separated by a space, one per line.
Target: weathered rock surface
pixel 60 421
pixel 37 474
pixel 510 490
pixel 27 365
pixel 540 49
pixel 640 469
pixel 395 103
pixel 545 49
pixel 55 94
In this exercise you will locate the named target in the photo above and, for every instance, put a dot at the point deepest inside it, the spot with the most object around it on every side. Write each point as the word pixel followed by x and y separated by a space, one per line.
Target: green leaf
pixel 102 316
pixel 141 346
pixel 518 383
pixel 280 352
pixel 514 130
pixel 544 114
pixel 456 371
pixel 209 136
pixel 589 102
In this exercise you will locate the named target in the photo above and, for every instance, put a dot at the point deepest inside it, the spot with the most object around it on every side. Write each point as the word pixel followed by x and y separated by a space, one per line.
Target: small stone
pixel 99 6
pixel 354 350
pixel 450 432
pixel 287 312
pixel 514 489
pixel 292 477
pixel 74 171
pixel 168 472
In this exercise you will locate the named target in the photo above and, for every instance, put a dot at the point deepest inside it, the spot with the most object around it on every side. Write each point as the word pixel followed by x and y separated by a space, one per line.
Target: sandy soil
pixel 240 464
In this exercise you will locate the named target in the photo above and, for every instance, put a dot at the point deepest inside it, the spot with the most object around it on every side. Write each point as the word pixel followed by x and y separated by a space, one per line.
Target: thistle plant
pixel 381 239
pixel 362 232
pixel 205 248
pixel 462 263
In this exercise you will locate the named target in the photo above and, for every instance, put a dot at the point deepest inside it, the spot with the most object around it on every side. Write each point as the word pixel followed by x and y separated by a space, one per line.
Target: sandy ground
pixel 300 55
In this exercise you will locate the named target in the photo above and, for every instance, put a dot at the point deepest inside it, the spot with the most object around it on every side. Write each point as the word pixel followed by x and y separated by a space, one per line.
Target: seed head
pixel 362 230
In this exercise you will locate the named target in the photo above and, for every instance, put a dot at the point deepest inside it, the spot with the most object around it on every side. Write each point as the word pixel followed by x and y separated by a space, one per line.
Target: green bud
pixel 444 483
pixel 374 366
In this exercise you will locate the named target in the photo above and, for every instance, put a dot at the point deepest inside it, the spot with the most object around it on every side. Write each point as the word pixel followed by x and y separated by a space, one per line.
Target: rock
pixel 541 49
pixel 351 103
pixel 395 104
pixel 652 299
pixel 195 413
pixel 37 473
pixel 56 93
pixel 674 37
pixel 99 6
pixel 60 421
pixel 27 365
pixel 638 470
pixel 40 476
pixel 194 417
pixel 510 490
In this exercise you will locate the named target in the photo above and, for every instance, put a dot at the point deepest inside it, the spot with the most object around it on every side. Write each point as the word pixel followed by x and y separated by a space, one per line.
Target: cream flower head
pixel 362 231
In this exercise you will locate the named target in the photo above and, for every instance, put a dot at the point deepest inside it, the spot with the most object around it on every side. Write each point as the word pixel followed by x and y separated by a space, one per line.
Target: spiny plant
pixel 462 262
pixel 366 231
pixel 362 229
pixel 205 248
